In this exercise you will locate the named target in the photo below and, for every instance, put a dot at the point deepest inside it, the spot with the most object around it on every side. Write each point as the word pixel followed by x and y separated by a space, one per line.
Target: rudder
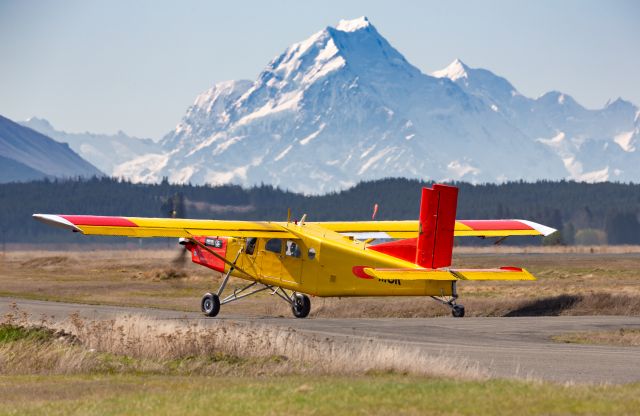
pixel 436 226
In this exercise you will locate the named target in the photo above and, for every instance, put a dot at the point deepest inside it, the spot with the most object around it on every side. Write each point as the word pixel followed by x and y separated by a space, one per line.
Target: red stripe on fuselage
pixel 489 225
pixel 99 220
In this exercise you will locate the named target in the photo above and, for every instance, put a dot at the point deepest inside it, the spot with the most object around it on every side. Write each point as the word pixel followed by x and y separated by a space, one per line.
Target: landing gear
pixel 456 310
pixel 210 304
pixel 301 305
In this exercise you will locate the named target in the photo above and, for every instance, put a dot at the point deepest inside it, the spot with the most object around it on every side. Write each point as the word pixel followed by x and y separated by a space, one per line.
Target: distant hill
pixel 27 155
pixel 105 151
pixel 14 171
pixel 585 213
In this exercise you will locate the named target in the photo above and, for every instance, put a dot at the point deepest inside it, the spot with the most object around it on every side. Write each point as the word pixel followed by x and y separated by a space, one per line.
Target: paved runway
pixel 507 347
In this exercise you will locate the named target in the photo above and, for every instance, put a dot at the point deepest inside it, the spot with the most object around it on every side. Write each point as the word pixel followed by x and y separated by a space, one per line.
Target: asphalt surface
pixel 507 347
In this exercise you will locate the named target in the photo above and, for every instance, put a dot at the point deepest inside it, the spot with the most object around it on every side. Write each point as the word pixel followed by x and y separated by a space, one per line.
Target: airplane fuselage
pixel 318 262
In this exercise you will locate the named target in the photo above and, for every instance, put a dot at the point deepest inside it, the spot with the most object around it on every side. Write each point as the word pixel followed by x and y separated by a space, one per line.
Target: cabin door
pixel 291 271
pixel 271 253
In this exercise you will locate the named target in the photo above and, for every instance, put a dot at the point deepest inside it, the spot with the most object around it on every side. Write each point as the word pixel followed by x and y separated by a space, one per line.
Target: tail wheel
pixel 210 304
pixel 301 305
pixel 457 311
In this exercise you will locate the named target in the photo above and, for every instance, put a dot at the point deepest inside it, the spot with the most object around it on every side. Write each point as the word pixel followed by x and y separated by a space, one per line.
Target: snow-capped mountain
pixel 104 151
pixel 26 155
pixel 594 145
pixel 344 106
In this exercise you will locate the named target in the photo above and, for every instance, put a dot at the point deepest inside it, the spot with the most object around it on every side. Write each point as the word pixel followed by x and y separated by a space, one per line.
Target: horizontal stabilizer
pixel 502 273
pixel 410 274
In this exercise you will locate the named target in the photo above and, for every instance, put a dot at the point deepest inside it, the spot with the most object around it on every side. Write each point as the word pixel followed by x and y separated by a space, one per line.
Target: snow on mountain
pixel 340 107
pixel 104 151
pixel 26 154
pixel 344 106
pixel 594 145
pixel 494 91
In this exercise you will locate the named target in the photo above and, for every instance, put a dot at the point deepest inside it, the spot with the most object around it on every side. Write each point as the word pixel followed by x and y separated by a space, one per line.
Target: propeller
pixel 181 259
pixel 174 207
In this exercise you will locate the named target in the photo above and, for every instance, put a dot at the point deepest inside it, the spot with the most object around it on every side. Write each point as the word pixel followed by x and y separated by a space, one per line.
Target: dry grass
pixel 143 345
pixel 117 277
pixel 571 281
pixel 623 336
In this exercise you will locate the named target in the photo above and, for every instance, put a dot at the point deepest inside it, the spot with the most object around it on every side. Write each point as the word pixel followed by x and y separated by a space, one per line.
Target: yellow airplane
pixel 300 258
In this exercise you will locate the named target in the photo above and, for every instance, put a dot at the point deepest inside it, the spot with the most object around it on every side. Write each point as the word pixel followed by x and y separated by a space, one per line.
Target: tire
pixel 457 311
pixel 302 306
pixel 210 305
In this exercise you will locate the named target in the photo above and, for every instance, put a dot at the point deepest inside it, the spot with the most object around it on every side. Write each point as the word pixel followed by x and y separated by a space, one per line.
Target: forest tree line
pixel 601 213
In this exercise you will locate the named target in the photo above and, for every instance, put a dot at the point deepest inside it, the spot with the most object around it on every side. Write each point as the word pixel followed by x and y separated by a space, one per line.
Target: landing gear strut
pixel 457 310
pixel 300 303
pixel 210 304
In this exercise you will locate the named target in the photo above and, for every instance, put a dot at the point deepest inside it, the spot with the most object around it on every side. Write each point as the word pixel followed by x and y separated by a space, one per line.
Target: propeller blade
pixel 181 259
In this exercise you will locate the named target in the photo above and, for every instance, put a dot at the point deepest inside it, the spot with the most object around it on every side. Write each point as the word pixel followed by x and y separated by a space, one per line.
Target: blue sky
pixel 137 65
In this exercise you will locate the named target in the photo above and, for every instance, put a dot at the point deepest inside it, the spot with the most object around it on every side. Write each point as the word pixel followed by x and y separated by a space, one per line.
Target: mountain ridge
pixel 105 151
pixel 29 155
pixel 344 106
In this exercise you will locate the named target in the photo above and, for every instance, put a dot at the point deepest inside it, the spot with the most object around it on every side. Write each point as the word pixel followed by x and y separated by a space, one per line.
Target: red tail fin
pixel 437 223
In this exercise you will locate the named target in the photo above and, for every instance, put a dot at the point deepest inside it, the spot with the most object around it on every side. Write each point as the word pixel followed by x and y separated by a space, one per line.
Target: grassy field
pixel 128 366
pixel 581 280
pixel 325 395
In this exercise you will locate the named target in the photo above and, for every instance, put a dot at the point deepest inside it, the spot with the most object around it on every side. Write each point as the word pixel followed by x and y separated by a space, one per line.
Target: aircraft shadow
pixel 550 306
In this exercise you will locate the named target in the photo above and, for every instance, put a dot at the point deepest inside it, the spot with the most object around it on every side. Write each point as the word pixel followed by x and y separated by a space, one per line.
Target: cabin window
pixel 311 253
pixel 251 245
pixel 293 249
pixel 274 245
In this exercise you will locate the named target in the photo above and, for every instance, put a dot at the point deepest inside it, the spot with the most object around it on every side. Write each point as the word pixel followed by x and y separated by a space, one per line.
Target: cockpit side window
pixel 274 245
pixel 293 249
pixel 251 245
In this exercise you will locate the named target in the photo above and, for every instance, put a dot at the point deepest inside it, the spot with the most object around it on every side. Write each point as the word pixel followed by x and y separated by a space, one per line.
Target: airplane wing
pixel 163 227
pixel 169 227
pixel 502 273
pixel 463 228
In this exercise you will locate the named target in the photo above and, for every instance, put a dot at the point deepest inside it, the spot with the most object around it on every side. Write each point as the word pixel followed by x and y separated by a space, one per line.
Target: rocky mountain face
pixel 344 106
pixel 26 155
pixel 105 151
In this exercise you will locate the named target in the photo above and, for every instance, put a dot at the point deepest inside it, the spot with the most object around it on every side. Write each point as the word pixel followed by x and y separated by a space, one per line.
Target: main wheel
pixel 210 304
pixel 301 306
pixel 457 311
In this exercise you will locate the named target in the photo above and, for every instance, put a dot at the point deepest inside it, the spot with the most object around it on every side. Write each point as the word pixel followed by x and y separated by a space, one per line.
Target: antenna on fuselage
pixel 288 215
